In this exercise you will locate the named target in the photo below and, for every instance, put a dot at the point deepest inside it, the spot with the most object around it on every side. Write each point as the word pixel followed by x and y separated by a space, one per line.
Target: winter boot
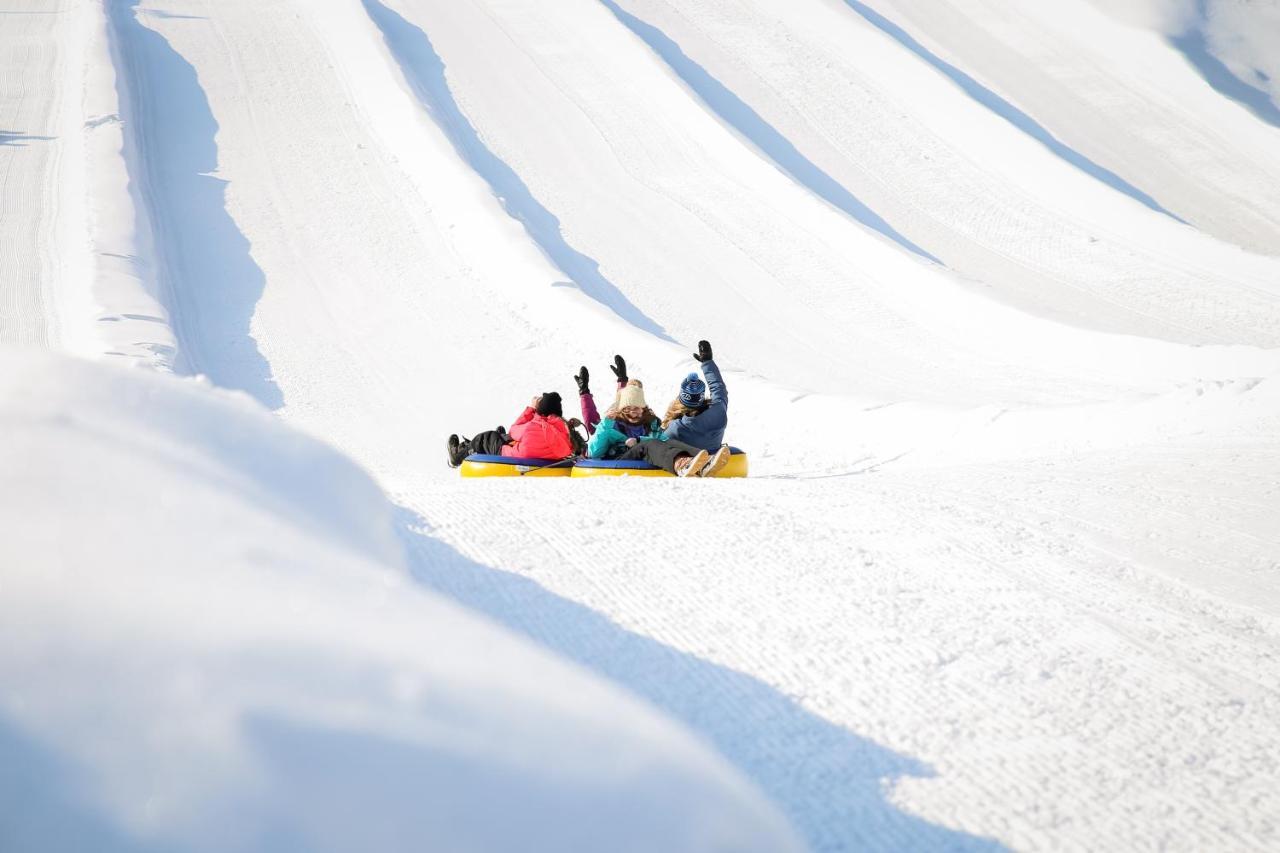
pixel 458 450
pixel 689 466
pixel 718 461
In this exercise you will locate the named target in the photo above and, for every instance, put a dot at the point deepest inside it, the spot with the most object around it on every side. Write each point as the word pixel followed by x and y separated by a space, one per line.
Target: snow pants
pixel 663 454
pixel 490 441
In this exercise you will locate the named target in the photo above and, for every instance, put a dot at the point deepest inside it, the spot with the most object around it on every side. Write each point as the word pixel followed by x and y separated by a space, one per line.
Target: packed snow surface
pixel 208 641
pixel 995 286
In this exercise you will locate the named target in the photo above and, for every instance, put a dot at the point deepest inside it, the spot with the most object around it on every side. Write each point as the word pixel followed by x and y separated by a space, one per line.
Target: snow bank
pixel 129 318
pixel 208 642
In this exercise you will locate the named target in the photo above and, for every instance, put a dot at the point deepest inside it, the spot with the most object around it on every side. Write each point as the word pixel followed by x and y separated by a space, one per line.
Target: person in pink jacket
pixel 540 432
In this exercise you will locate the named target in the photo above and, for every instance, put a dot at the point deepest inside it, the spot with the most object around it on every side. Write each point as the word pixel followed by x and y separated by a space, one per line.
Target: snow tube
pixel 737 467
pixel 484 465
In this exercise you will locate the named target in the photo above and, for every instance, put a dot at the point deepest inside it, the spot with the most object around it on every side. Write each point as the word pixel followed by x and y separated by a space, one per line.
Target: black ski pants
pixel 663 454
pixel 490 442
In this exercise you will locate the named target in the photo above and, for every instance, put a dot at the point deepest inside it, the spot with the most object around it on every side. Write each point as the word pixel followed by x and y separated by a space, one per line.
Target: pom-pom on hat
pixel 691 390
pixel 632 395
pixel 550 405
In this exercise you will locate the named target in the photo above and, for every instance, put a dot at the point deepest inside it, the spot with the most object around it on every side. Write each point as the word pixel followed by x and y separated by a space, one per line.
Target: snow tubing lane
pixel 483 465
pixel 737 467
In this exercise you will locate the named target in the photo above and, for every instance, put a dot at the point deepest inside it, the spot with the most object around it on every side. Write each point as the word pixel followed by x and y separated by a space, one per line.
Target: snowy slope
pixel 1123 98
pixel 40 78
pixel 208 642
pixel 996 287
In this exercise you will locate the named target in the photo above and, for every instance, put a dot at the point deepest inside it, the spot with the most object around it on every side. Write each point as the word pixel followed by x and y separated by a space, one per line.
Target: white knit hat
pixel 632 395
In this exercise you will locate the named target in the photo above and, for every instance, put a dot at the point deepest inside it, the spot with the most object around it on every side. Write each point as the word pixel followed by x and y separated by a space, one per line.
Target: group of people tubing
pixel 687 442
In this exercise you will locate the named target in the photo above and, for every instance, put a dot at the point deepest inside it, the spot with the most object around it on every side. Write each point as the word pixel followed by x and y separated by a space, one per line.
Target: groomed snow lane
pixel 1021 652
pixel 207 276
pixel 998 581
pixel 37 45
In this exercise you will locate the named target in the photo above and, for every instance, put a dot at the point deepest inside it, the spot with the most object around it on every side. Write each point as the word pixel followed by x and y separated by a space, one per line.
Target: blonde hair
pixel 676 411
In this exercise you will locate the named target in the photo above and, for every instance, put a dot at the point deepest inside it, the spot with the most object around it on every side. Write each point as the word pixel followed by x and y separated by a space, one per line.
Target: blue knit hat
pixel 691 391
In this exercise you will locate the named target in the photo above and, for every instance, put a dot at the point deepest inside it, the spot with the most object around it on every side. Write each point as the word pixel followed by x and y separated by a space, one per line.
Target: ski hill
pixel 995 287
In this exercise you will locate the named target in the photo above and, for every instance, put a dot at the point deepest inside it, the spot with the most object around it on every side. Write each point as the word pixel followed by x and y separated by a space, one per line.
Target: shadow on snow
pixel 831 783
pixel 1195 47
pixel 1007 111
pixel 209 274
pixel 765 137
pixel 827 780
pixel 425 71
pixel 19 139
pixel 45 805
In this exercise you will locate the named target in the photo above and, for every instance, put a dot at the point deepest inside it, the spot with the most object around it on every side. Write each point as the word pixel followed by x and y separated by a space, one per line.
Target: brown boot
pixel 718 461
pixel 689 466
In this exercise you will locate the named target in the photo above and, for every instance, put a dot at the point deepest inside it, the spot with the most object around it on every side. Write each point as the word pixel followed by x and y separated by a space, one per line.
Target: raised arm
pixel 590 414
pixel 619 368
pixel 715 382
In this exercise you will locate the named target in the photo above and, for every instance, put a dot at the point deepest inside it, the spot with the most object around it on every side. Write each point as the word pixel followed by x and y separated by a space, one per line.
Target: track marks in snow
pixel 425 71
pixel 30 152
pixel 1047 691
pixel 25 312
pixel 211 281
pixel 1123 99
pixel 773 144
pixel 1005 110
pixel 831 781
pixel 894 663
pixel 957 179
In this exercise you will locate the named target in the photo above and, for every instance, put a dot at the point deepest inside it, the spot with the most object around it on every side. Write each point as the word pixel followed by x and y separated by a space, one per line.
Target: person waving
pixel 631 431
pixel 694 419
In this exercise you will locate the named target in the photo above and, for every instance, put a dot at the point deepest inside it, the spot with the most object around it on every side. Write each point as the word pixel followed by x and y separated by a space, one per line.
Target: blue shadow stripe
pixel 212 279
pixel 425 72
pixel 1007 111
pixel 828 780
pixel 765 137
pixel 1195 48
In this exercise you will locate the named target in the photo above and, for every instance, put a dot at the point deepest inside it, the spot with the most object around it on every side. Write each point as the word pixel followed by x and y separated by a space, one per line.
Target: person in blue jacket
pixel 696 420
pixel 630 430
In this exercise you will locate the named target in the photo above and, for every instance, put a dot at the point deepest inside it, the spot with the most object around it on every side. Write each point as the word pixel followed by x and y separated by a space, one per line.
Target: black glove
pixel 581 378
pixel 704 351
pixel 619 368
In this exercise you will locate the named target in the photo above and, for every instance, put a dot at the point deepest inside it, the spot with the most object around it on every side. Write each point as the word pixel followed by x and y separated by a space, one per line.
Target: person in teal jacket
pixel 630 430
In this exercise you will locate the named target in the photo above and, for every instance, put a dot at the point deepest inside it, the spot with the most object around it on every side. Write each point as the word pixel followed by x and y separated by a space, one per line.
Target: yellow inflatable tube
pixel 737 467
pixel 479 465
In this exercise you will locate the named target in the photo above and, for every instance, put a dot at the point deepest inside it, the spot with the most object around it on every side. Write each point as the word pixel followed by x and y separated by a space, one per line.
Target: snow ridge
pixel 203 263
